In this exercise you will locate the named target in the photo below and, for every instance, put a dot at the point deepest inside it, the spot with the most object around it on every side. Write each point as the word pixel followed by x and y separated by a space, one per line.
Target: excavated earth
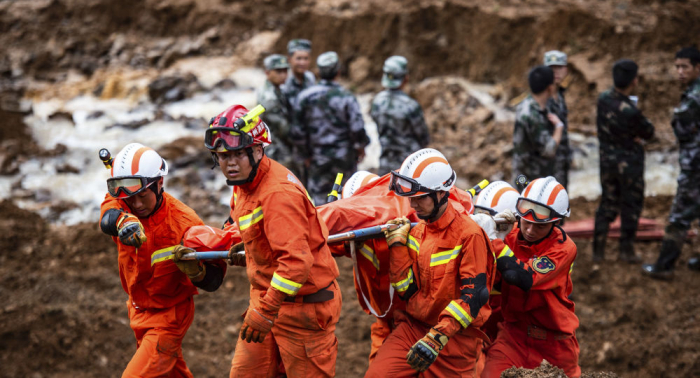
pixel 63 311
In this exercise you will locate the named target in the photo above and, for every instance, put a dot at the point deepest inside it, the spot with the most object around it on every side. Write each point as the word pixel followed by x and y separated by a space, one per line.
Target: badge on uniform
pixel 543 265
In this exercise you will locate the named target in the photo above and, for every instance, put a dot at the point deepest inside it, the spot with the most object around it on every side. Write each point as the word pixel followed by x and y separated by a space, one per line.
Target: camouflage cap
pixel 275 62
pixel 298 45
pixel 554 58
pixel 395 69
pixel 328 64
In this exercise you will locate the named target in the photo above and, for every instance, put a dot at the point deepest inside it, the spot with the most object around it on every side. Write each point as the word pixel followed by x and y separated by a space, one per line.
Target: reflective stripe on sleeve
pixel 402 285
pixel 413 243
pixel 250 219
pixel 506 251
pixel 162 255
pixel 368 253
pixel 458 313
pixel 445 257
pixel 284 285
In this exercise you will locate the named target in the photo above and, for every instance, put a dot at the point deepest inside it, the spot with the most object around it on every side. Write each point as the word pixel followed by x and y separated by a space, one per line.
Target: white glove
pixel 505 226
pixel 486 223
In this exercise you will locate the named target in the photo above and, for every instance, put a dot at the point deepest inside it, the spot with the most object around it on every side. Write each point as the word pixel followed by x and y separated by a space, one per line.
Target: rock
pixel 173 88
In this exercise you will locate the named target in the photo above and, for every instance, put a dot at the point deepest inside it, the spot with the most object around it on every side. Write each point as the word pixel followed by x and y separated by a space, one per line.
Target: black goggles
pixel 231 139
pixel 406 186
pixel 538 211
pixel 125 187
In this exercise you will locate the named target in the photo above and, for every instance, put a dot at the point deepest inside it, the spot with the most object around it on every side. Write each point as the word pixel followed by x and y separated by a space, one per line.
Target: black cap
pixel 624 72
pixel 540 78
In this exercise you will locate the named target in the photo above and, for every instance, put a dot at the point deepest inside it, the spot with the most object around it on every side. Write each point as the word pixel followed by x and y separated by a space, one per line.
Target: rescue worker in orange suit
pixel 496 198
pixel 443 268
pixel 376 295
pixel 535 261
pixel 294 298
pixel 147 224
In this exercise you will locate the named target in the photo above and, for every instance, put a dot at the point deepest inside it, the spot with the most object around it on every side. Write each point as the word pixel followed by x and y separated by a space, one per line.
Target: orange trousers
pixel 303 337
pixel 513 347
pixel 159 337
pixel 458 358
pixel 380 330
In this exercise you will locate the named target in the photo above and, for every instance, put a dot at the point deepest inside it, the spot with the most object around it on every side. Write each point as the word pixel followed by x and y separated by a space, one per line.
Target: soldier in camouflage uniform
pixel 621 127
pixel 278 112
pixel 400 123
pixel 300 78
pixel 329 129
pixel 686 205
pixel 557 61
pixel 537 133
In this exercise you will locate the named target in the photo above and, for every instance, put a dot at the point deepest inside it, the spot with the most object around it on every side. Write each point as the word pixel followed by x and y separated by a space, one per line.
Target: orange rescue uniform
pixel 160 303
pixel 445 272
pixel 285 244
pixel 540 323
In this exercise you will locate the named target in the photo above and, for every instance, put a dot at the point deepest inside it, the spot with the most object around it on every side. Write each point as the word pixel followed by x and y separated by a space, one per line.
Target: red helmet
pixel 236 128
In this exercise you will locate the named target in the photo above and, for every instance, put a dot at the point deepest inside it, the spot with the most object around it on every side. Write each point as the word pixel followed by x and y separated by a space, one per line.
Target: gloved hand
pixel 194 269
pixel 486 223
pixel 234 257
pixel 259 320
pixel 130 230
pixel 514 272
pixel 424 352
pixel 507 218
pixel 400 235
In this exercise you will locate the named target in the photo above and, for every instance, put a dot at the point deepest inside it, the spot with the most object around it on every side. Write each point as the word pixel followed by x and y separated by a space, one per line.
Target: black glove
pixel 514 272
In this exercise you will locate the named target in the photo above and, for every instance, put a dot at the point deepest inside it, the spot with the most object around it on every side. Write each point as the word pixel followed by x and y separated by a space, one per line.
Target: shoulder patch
pixel 543 265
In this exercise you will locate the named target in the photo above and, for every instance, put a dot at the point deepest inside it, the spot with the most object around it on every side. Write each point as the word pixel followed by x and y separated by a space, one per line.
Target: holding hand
pixel 192 268
pixel 235 257
pixel 398 236
pixel 504 223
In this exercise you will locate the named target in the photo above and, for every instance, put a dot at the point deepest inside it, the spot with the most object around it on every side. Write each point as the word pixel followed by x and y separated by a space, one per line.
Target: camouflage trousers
pixel 326 163
pixel 685 209
pixel 561 171
pixel 287 156
pixel 623 193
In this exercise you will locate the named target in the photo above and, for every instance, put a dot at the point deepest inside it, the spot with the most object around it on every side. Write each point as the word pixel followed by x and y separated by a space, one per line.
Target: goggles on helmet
pixel 406 186
pixel 231 139
pixel 125 187
pixel 539 212
pixel 484 210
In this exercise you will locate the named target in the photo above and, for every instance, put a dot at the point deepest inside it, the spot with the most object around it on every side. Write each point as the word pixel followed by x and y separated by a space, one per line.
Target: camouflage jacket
pixel 620 124
pixel 533 146
pixel 400 123
pixel 686 126
pixel 292 87
pixel 277 112
pixel 327 114
pixel 558 106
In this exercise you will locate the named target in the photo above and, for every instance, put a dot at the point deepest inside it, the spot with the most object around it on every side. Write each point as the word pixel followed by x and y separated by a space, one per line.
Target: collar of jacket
pixel 263 168
pixel 445 219
pixel 329 83
pixel 692 86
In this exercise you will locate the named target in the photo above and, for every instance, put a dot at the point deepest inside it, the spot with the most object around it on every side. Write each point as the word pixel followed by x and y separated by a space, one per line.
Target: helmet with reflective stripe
pixel 544 200
pixel 135 168
pixel 356 181
pixel 496 197
pixel 423 172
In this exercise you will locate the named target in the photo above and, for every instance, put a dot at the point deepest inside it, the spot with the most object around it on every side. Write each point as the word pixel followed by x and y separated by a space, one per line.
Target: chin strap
pixel 436 206
pixel 253 172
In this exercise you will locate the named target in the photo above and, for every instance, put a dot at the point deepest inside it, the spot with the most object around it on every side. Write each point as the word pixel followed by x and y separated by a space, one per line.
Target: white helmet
pixel 424 171
pixel 356 181
pixel 496 197
pixel 135 168
pixel 544 200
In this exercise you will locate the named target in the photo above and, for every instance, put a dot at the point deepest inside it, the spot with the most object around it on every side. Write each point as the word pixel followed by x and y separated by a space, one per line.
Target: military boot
pixel 599 240
pixel 627 253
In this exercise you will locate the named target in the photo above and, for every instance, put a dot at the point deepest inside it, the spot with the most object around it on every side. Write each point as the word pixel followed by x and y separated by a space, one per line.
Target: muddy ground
pixel 63 311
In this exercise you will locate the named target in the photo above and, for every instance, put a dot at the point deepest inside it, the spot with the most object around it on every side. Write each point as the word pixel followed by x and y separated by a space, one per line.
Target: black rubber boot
pixel 600 236
pixel 627 253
